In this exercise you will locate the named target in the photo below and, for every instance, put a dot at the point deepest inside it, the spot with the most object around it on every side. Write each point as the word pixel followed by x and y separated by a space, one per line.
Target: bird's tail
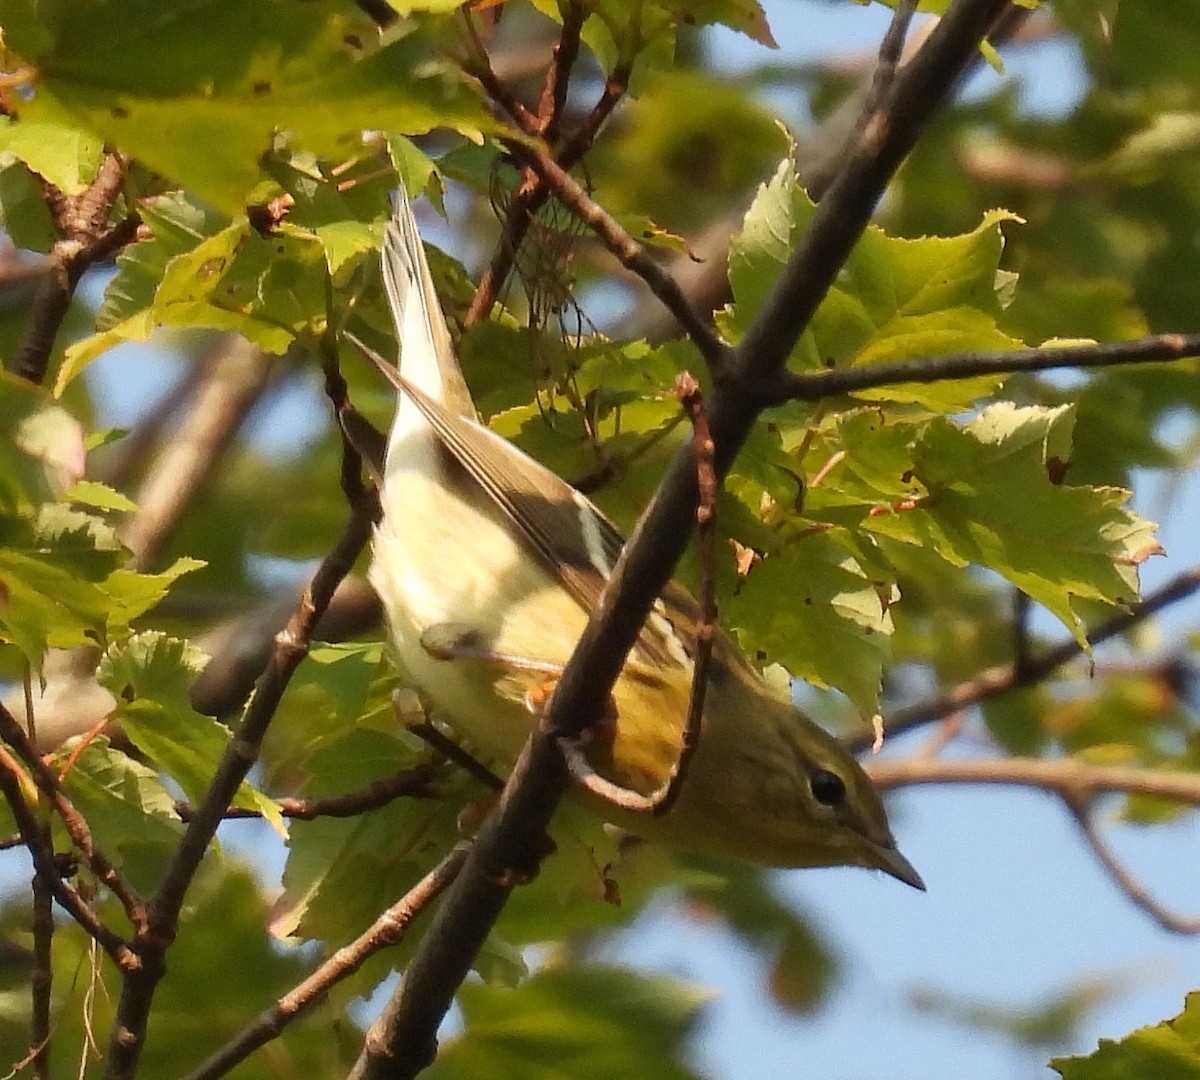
pixel 427 357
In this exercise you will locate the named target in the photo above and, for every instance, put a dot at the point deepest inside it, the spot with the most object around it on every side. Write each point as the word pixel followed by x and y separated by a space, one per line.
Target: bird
pixel 487 565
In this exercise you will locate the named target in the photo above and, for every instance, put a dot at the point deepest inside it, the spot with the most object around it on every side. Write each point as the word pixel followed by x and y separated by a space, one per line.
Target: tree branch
pixel 1004 678
pixel 407 783
pixel 237 374
pixel 510 841
pixel 1072 778
pixel 291 646
pixel 85 242
pixel 1137 893
pixel 73 821
pixel 816 386
pixel 41 978
pixel 388 930
pixel 632 255
pixel 531 192
pixel 47 869
pixel 1077 783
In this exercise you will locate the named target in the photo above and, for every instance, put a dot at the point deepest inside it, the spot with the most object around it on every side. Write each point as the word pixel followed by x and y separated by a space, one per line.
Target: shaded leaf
pixel 573 1024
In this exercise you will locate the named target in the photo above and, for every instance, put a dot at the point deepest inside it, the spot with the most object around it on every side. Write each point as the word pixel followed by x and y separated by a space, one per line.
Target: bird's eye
pixel 827 788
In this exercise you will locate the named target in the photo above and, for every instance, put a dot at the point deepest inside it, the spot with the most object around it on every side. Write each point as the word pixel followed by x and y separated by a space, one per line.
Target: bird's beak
pixel 889 860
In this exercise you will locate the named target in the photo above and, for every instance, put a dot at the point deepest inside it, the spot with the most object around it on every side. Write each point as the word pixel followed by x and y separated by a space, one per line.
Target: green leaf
pixel 577 1023
pixel 342 873
pixel 131 594
pixel 178 225
pixel 55 147
pixel 993 502
pixel 811 608
pixel 150 675
pixel 23 211
pixel 52 570
pixel 894 299
pixel 746 16
pixel 131 816
pixel 221 73
pixel 1166 1051
pixel 41 446
pixel 99 496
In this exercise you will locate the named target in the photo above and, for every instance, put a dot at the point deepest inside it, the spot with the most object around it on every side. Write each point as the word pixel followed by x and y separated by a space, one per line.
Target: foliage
pixel 880 530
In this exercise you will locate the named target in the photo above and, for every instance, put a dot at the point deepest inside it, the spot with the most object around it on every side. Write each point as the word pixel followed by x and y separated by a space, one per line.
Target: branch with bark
pixel 291 646
pixel 403 1040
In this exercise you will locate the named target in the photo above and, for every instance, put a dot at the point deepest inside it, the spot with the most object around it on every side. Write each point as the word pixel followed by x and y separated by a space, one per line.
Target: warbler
pixel 488 564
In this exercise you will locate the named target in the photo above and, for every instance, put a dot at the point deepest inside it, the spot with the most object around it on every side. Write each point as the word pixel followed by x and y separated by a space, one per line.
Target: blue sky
pixel 1016 907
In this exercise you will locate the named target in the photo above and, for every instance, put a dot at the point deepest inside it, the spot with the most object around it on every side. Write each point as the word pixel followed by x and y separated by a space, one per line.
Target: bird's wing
pixel 571 537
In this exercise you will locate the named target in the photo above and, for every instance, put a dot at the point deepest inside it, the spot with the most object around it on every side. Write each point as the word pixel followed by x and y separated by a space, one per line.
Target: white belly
pixel 448 560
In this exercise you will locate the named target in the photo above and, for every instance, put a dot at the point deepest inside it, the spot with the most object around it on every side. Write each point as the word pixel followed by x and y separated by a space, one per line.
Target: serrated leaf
pixel 150 675
pixel 178 225
pixel 343 671
pixel 811 608
pixel 221 73
pixel 342 240
pixel 99 497
pixel 51 573
pixel 129 812
pixel 992 503
pixel 341 873
pixel 132 594
pixel 893 299
pixel 746 16
pixel 1166 1051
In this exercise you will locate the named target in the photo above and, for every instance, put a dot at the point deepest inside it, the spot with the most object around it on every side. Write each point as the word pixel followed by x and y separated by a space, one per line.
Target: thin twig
pixel 1022 609
pixel 558 75
pixel 291 646
pixel 891 48
pixel 411 783
pixel 455 754
pixel 47 869
pixel 386 931
pixel 531 194
pixel 688 391
pixel 579 141
pixel 528 198
pixel 1004 678
pixel 478 63
pixel 1077 783
pixel 1070 777
pixel 660 802
pixel 73 821
pixel 792 386
pixel 235 379
pixel 1134 889
pixel 632 255
pixel 41 978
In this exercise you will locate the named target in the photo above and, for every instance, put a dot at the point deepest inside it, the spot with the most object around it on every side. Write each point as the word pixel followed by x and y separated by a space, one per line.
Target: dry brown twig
pixel 385 932
pixel 1078 784
pixel 403 1040
pixel 86 239
pixel 291 645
